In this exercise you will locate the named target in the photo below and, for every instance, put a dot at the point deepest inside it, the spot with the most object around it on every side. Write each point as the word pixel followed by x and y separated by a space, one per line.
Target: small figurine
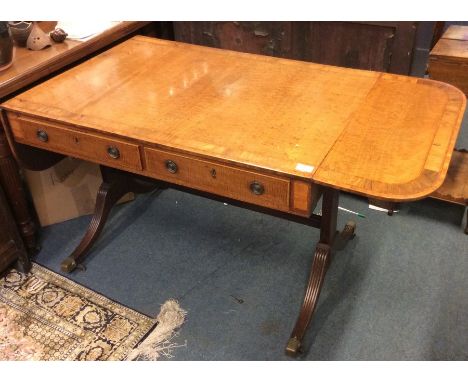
pixel 37 39
pixel 58 35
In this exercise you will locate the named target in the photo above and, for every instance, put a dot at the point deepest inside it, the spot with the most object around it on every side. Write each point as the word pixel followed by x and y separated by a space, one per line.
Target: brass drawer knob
pixel 257 188
pixel 113 152
pixel 171 166
pixel 42 135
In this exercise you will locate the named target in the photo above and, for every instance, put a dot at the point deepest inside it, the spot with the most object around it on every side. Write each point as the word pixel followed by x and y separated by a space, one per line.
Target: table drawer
pixel 54 137
pixel 263 190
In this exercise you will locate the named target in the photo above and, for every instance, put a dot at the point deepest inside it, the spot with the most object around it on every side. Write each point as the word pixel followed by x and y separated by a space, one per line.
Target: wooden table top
pixel 29 66
pixel 371 133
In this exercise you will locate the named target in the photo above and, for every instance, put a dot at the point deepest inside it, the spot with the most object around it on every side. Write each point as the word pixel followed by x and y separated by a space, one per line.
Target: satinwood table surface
pixel 375 134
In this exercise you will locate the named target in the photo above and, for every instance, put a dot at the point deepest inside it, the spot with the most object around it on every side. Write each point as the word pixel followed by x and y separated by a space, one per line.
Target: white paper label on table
pixel 304 167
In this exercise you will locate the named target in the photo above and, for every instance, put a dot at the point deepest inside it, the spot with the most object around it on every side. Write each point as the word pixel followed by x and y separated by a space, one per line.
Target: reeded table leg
pixel 320 263
pixel 115 184
pixel 314 286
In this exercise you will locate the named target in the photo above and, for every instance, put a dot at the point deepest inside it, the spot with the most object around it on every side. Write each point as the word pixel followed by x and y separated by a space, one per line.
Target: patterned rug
pixel 44 316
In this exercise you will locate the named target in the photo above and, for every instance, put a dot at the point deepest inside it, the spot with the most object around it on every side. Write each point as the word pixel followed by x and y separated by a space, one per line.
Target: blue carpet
pixel 398 291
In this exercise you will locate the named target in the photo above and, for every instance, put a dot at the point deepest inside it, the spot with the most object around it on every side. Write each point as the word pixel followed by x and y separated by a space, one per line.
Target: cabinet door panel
pixel 381 46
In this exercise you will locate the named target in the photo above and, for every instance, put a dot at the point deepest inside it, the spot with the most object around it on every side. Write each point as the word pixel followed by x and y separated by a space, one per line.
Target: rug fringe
pixel 159 341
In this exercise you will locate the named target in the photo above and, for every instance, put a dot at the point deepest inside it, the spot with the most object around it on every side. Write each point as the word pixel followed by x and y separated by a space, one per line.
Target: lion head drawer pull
pixel 257 188
pixel 42 135
pixel 171 166
pixel 113 152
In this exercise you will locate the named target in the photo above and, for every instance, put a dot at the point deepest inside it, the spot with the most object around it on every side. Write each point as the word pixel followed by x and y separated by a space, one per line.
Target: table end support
pixel 115 185
pixel 322 256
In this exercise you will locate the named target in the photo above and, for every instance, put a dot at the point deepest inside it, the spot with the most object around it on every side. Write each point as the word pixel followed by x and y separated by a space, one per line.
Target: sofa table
pixel 269 134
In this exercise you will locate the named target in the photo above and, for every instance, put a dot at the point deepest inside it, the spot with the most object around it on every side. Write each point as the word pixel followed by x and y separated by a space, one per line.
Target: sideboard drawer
pixel 263 190
pixel 50 136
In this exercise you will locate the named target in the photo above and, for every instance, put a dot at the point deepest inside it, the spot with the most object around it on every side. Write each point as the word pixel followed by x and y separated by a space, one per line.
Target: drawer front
pixel 263 190
pixel 53 137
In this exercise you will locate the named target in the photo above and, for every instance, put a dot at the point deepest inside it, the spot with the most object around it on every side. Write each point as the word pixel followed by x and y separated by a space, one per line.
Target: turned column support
pixel 466 224
pixel 30 158
pixel 16 195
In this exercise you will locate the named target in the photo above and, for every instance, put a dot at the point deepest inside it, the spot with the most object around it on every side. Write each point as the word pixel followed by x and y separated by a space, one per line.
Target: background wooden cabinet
pixel 381 46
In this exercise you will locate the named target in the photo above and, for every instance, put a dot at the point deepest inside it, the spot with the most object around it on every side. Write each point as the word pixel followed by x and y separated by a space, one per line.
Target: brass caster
pixel 68 265
pixel 348 230
pixel 293 348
